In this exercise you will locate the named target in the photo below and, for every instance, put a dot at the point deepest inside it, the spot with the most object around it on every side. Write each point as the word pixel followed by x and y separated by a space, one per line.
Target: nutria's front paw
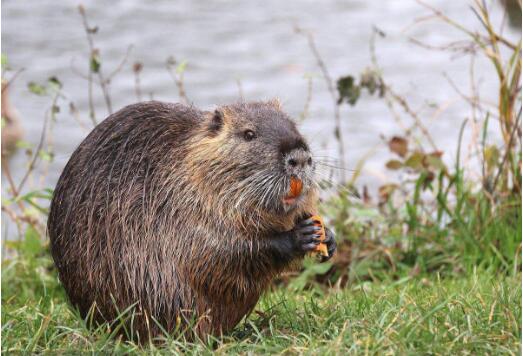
pixel 307 236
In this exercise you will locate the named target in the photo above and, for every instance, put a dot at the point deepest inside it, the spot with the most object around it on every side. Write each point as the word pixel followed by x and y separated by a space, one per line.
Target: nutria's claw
pixel 330 241
pixel 305 222
pixel 307 237
pixel 310 230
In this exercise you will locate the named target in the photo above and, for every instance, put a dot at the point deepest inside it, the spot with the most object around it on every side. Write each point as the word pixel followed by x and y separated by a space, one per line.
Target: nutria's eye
pixel 249 135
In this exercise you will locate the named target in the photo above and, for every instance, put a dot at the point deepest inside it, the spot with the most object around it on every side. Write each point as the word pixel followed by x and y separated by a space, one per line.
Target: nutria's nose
pixel 298 159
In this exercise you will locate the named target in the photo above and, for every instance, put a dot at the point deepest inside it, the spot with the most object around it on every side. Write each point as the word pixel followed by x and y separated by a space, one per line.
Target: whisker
pixel 335 167
pixel 339 188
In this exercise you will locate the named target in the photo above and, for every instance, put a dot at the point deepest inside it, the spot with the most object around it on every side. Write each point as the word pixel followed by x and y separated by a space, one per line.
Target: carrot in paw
pixel 321 249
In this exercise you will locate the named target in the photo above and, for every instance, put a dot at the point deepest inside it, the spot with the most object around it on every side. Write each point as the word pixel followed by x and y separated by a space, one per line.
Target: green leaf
pixel 434 160
pixel 7 202
pixel 5 63
pixel 23 144
pixel 14 245
pixel 46 156
pixel 348 90
pixel 54 83
pixel 181 67
pixel 41 194
pixel 415 161
pixel 95 63
pixel 394 164
pixel 491 157
pixel 37 89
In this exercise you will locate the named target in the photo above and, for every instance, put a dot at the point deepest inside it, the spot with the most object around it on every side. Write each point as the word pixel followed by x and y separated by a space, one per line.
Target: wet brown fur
pixel 149 212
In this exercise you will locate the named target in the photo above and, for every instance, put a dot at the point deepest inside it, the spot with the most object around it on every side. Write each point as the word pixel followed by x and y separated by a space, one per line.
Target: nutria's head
pixel 248 153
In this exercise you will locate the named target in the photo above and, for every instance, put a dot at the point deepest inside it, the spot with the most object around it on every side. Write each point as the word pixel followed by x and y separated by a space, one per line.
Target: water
pixel 229 41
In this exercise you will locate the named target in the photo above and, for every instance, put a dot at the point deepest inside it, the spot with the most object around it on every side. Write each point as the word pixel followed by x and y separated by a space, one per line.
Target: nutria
pixel 182 214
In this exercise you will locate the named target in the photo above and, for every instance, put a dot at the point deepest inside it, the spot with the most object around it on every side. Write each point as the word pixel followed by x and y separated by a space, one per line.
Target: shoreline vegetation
pixel 432 264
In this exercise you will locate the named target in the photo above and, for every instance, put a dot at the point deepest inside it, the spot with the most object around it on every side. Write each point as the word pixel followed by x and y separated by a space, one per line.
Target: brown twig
pixel 92 111
pixel 403 103
pixel 76 70
pixel 94 54
pixel 463 46
pixel 120 65
pixel 11 80
pixel 396 97
pixel 439 14
pixel 330 86
pixel 15 192
pixel 137 69
pixel 14 217
pixel 507 154
pixel 306 106
pixel 34 159
pixel 76 116
pixel 7 172
pixel 37 225
pixel 176 71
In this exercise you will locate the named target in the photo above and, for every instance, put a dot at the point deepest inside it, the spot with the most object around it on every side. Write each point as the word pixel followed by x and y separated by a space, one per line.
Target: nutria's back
pixel 174 211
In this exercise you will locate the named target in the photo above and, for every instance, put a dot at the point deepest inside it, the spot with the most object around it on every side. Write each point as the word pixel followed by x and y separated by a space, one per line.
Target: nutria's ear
pixel 216 122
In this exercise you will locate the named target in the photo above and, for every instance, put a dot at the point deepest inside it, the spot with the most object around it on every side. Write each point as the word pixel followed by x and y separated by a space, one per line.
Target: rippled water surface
pixel 231 42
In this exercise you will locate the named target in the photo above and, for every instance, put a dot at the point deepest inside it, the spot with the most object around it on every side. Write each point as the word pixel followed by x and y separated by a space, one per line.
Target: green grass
pixel 478 313
pixel 433 288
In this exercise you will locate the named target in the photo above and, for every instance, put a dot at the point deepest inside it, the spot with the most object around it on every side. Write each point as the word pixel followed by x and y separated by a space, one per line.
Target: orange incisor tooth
pixel 296 187
pixel 322 247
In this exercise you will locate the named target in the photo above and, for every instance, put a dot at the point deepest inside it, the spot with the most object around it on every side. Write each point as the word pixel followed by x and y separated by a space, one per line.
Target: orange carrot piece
pixel 296 187
pixel 322 247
